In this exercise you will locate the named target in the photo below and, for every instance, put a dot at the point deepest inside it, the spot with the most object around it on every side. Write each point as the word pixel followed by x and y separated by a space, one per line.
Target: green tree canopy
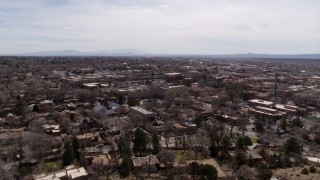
pixel 124 147
pixel 68 154
pixel 125 166
pixel 292 146
pixel 247 141
pixel 139 142
pixel 240 143
pixel 21 107
pixel 202 171
pixel 133 102
pixel 76 148
pixel 296 122
pixel 155 144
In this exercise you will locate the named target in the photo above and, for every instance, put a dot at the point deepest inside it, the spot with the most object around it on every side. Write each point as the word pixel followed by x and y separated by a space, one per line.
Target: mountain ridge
pixel 134 52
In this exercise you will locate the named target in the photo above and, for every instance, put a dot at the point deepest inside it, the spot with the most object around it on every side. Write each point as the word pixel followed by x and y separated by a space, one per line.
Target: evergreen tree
pixel 214 150
pixel 207 172
pixel 68 154
pixel 120 99
pixel 124 147
pixel 296 122
pixel 76 148
pixel 133 102
pixel 283 124
pixel 292 146
pixel 240 143
pixel 139 142
pixel 20 108
pixel 125 166
pixel 247 141
pixel 35 108
pixel 155 144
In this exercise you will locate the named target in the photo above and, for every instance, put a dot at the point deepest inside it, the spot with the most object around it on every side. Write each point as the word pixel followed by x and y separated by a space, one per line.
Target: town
pixel 159 117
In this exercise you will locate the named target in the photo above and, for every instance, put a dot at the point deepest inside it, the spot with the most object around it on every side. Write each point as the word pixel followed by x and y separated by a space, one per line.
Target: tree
pixel 72 116
pixel 124 147
pixel 125 166
pixel 302 113
pixel 155 144
pixel 292 146
pixel 200 120
pixel 35 108
pixel 132 102
pixel 296 122
pixel 167 157
pixel 139 142
pixel 240 143
pixel 68 154
pixel 21 107
pixel 205 172
pixel 76 148
pixel 259 126
pixel 283 124
pixel 247 141
pixel 240 158
pixel 120 99
pixel 193 169
pixel 305 171
pixel 214 150
pixel 312 169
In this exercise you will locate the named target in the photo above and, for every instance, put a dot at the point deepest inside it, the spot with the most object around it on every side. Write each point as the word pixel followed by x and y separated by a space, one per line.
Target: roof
pixel 139 161
pixel 141 110
pixel 253 155
pixel 70 171
pixel 46 102
pixel 259 101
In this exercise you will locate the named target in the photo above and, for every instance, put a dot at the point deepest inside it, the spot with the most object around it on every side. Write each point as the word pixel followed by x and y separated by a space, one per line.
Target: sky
pixel 161 26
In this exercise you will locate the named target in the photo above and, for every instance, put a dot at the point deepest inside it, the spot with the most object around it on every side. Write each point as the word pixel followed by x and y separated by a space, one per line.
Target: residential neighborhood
pixel 159 118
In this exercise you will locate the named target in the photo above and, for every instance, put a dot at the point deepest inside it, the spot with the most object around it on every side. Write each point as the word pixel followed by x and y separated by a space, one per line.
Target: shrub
pixel 312 169
pixel 305 171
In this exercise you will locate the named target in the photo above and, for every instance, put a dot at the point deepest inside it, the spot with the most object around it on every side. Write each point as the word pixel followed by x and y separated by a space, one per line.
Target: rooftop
pixel 141 110
pixel 70 171
pixel 138 161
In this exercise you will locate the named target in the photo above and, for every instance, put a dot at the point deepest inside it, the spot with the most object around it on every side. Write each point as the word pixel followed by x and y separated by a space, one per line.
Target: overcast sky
pixel 161 26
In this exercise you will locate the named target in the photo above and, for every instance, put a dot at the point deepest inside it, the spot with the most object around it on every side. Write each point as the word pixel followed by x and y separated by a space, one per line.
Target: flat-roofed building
pixel 140 112
pixel 69 173
pixel 259 102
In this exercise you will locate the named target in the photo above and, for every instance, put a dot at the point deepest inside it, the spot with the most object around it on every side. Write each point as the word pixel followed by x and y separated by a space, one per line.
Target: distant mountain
pixel 116 52
pixel 275 56
pixel 134 52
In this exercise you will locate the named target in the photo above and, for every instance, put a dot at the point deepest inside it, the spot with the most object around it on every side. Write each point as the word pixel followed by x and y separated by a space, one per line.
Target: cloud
pixel 161 26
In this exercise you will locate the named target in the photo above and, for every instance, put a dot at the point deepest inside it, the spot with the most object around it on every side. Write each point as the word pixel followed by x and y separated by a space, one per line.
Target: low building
pixel 146 164
pixel 141 113
pixel 259 102
pixel 69 173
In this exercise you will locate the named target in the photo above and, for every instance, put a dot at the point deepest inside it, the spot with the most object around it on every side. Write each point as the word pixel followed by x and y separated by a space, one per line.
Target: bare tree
pixel 36 125
pixel 166 157
pixel 198 142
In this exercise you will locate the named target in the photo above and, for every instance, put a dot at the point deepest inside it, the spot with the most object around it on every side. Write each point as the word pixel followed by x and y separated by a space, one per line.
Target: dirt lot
pixel 295 173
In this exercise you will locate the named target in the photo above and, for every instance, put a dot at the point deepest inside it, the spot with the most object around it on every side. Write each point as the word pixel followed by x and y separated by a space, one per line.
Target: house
pixel 69 173
pixel 253 156
pixel 141 113
pixel 146 164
